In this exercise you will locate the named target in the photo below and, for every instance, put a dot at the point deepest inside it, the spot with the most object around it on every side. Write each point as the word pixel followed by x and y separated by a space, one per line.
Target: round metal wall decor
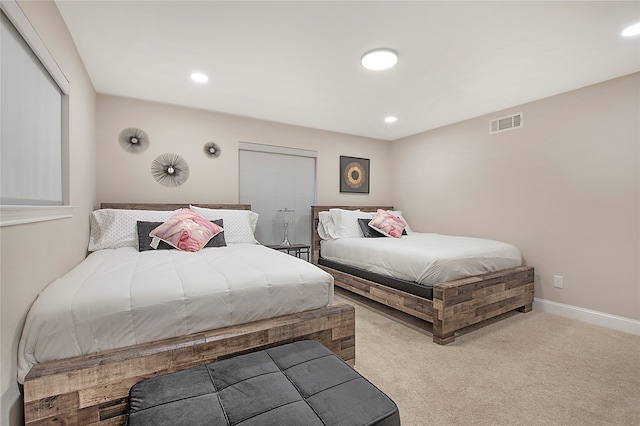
pixel 170 170
pixel 212 150
pixel 133 140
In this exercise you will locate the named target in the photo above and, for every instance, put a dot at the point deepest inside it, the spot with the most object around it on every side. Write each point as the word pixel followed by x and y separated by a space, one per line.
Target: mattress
pixel 425 258
pixel 121 297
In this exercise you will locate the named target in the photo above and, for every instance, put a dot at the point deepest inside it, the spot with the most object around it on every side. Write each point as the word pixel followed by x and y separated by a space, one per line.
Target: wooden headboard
pixel 158 206
pixel 315 238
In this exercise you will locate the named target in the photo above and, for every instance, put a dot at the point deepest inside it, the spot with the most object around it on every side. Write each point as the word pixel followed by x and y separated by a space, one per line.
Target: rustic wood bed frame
pixel 455 305
pixel 93 389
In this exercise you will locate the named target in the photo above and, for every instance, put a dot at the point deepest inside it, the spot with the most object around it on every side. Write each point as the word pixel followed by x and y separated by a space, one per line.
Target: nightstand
pixel 296 250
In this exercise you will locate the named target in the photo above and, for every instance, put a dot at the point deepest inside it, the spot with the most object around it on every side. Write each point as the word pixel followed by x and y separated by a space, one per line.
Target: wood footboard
pixel 93 389
pixel 461 303
pixel 456 304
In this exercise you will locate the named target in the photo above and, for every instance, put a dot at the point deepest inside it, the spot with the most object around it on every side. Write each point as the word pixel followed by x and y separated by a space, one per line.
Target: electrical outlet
pixel 557 281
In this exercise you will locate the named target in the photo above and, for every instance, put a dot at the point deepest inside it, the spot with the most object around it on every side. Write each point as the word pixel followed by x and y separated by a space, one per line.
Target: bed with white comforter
pixel 121 297
pixel 425 258
pixel 451 281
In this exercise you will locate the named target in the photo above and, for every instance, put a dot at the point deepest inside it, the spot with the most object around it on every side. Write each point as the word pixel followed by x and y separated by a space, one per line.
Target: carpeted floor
pixel 523 369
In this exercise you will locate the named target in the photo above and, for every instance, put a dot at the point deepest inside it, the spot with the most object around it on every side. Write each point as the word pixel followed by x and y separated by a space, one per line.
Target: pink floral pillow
pixel 186 231
pixel 387 224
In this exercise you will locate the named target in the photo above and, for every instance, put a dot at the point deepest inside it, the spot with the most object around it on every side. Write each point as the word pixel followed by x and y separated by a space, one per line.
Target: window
pixel 32 87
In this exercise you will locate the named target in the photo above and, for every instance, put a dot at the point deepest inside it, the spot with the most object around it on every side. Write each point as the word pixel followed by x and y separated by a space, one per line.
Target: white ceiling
pixel 298 62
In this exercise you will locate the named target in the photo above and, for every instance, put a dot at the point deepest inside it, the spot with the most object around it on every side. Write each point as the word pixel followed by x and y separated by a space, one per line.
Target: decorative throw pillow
pixel 144 240
pixel 218 239
pixel 387 224
pixel 398 214
pixel 367 231
pixel 186 231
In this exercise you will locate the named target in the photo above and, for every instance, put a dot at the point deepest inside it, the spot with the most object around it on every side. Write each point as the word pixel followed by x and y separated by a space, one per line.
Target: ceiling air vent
pixel 503 124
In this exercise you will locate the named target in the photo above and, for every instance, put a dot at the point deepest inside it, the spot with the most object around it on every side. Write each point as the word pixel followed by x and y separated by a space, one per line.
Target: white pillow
pixel 346 222
pixel 239 225
pixel 325 226
pixel 115 228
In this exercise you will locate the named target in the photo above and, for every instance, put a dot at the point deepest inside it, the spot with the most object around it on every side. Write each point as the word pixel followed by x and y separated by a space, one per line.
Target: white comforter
pixel 424 258
pixel 122 297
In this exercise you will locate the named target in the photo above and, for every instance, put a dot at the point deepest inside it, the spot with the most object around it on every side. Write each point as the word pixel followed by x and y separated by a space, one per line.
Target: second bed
pixel 452 282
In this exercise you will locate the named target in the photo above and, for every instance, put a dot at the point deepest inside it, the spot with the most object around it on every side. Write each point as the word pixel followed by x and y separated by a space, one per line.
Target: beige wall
pixel 126 177
pixel 564 189
pixel 34 255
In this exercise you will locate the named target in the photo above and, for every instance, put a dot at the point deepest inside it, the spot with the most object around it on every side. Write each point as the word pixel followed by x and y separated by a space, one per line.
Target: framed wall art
pixel 354 174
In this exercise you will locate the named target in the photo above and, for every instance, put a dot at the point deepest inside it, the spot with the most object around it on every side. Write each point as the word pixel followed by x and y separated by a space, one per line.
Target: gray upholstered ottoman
pixel 300 383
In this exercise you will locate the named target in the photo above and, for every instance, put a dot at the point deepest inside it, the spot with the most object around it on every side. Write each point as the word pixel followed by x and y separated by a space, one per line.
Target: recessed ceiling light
pixel 199 77
pixel 390 119
pixel 379 59
pixel 632 30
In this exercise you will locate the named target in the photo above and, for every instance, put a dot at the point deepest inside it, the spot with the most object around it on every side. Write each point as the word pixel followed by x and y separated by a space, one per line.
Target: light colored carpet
pixel 524 369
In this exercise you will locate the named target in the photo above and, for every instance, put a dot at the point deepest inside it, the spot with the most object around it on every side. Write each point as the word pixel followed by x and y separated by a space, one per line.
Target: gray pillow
pixel 368 231
pixel 144 240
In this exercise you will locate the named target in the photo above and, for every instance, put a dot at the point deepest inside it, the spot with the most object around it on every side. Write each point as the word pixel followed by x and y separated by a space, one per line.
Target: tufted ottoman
pixel 300 383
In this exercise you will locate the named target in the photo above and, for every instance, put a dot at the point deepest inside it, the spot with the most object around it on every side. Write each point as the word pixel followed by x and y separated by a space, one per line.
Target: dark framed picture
pixel 354 174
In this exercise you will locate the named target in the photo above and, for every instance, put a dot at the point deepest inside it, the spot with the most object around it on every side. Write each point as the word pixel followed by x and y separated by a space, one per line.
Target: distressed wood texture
pixel 413 305
pixel 455 305
pixel 93 389
pixel 461 303
pixel 153 206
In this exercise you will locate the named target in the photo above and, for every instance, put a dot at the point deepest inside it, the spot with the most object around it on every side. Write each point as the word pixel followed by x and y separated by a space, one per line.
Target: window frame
pixel 21 214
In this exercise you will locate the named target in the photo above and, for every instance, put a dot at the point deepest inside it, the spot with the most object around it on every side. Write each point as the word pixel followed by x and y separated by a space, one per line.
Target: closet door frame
pixel 290 182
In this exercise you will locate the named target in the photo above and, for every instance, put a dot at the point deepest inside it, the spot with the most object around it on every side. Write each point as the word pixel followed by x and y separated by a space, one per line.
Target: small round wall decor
pixel 133 140
pixel 212 150
pixel 170 170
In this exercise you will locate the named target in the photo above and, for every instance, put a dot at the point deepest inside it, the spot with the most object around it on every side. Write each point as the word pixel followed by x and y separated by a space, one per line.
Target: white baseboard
pixel 627 325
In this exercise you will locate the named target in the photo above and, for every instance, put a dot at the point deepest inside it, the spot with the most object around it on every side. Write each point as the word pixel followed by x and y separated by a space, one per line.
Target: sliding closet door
pixel 273 178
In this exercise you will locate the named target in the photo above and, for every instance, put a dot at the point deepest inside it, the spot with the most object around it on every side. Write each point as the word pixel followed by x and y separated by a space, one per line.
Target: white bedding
pixel 423 257
pixel 122 297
